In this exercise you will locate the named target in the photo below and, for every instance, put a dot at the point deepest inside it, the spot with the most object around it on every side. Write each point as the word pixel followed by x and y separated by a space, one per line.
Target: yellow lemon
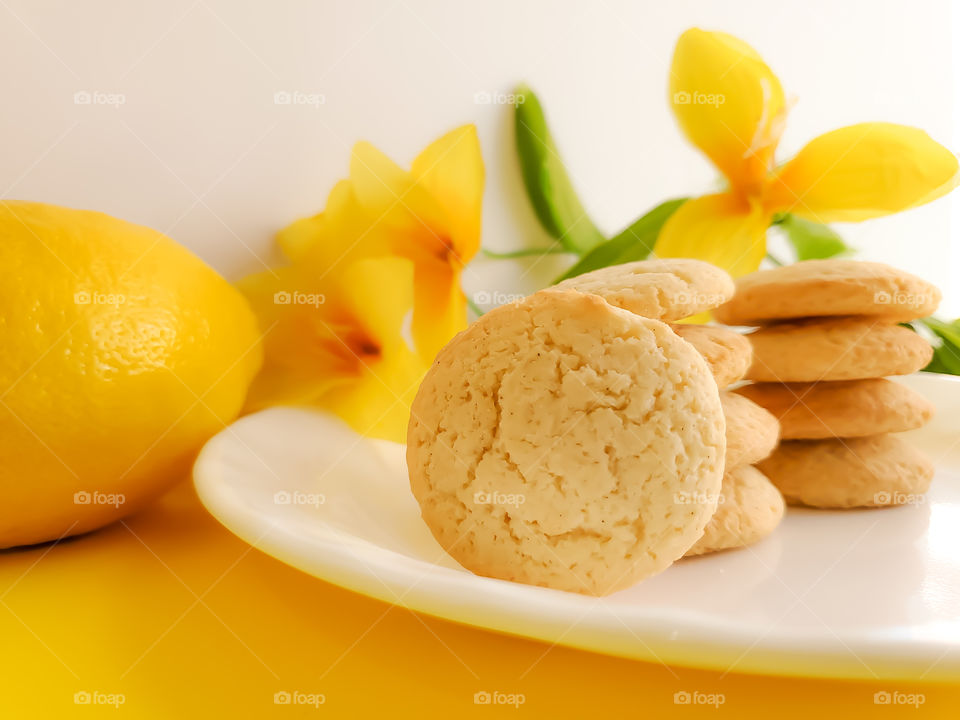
pixel 120 354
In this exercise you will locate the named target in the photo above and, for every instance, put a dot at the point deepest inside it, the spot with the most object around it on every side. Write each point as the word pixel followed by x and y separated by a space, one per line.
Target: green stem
pixel 529 252
pixel 776 261
pixel 474 307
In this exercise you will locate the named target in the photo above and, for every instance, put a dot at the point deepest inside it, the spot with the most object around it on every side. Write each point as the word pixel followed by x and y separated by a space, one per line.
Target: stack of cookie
pixel 827 339
pixel 749 507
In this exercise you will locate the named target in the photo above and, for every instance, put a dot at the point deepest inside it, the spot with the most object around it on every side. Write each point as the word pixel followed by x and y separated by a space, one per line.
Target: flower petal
pixel 342 233
pixel 440 309
pixel 302 359
pixel 377 402
pixel 729 104
pixel 292 386
pixel 389 192
pixel 722 229
pixel 299 237
pixel 342 348
pixel 451 169
pixel 378 294
pixel 863 171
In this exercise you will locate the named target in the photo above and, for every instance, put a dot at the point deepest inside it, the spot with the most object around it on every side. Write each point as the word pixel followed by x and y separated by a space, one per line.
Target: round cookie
pixel 548 441
pixel 851 348
pixel 669 289
pixel 846 408
pixel 752 432
pixel 727 352
pixel 749 508
pixel 874 471
pixel 814 288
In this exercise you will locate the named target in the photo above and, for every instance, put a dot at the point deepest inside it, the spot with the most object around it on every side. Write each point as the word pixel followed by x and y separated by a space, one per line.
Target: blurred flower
pixel 335 341
pixel 731 106
pixel 386 253
pixel 429 215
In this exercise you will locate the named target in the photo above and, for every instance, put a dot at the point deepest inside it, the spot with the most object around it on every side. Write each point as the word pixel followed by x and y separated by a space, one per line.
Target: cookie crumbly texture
pixel 752 432
pixel 750 507
pixel 727 352
pixel 843 409
pixel 875 471
pixel 550 441
pixel 850 348
pixel 815 288
pixel 669 289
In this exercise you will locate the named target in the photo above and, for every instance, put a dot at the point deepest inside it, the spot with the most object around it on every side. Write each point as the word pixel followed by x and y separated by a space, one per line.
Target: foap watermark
pixel 699 299
pixel 487 298
pixel 284 497
pixel 85 297
pixel 903 299
pixel 98 97
pixel 83 497
pixel 299 298
pixel 298 97
pixel 687 497
pixel 96 697
pixel 695 97
pixel 498 498
pixel 898 498
pixel 485 97
pixel 298 697
pixel 886 697
pixel 686 697
pixel 496 697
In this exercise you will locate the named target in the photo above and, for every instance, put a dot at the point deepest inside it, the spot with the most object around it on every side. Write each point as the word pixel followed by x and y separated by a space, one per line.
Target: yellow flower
pixel 731 106
pixel 429 215
pixel 335 340
pixel 387 250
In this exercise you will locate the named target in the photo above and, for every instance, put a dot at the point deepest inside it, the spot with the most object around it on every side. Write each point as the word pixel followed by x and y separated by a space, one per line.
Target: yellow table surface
pixel 184 620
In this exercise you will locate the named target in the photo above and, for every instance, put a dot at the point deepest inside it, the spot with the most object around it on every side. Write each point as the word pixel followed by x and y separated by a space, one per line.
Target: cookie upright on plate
pixel 727 352
pixel 752 431
pixel 749 508
pixel 550 441
pixel 670 289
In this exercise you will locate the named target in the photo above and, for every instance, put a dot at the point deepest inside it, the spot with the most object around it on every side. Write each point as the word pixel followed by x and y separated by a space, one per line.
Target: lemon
pixel 120 354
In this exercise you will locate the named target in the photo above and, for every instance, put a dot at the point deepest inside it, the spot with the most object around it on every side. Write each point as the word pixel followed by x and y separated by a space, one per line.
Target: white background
pixel 200 150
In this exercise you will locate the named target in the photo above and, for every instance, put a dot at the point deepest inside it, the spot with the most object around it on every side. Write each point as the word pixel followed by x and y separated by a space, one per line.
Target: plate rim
pixel 671 638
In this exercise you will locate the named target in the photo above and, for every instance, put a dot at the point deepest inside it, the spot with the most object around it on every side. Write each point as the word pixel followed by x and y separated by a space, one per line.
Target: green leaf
pixel 548 186
pixel 634 242
pixel 946 355
pixel 526 252
pixel 812 240
pixel 937 365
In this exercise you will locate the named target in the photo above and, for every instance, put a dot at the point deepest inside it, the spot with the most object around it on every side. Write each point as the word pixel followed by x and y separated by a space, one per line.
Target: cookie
pixel 874 471
pixel 548 440
pixel 846 408
pixel 727 352
pixel 814 288
pixel 752 432
pixel 669 289
pixel 749 508
pixel 836 349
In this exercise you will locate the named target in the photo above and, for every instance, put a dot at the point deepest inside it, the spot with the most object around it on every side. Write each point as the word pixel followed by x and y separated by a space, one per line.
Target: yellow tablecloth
pixel 168 615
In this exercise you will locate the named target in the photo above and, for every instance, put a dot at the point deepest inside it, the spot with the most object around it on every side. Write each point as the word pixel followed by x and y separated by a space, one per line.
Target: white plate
pixel 861 593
